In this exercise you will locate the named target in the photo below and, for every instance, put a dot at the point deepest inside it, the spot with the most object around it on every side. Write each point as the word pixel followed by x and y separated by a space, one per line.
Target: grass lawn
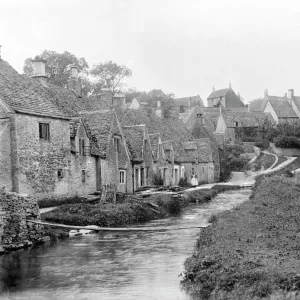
pixel 264 160
pixel 281 159
pixel 252 251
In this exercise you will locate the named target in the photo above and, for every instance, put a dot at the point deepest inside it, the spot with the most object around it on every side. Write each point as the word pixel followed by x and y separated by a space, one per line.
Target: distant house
pixel 134 104
pixel 182 104
pixel 284 110
pixel 225 98
pixel 230 122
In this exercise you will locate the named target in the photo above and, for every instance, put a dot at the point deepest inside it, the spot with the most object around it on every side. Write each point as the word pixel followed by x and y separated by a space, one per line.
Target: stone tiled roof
pixel 297 101
pixel 134 136
pixel 245 119
pixel 199 150
pixel 256 105
pixel 169 129
pixel 98 126
pixel 282 107
pixel 218 93
pixel 193 100
pixel 26 95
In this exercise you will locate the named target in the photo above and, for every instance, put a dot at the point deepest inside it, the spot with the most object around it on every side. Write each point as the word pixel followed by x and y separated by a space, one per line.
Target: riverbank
pixel 252 251
pixel 129 212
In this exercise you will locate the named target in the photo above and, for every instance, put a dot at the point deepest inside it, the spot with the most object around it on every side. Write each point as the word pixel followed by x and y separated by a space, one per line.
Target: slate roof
pixel 98 127
pixel 245 119
pixel 193 100
pixel 134 136
pixel 218 93
pixel 26 95
pixel 282 107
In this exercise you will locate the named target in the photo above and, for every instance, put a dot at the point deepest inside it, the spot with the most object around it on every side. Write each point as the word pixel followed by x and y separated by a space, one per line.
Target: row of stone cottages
pixel 53 141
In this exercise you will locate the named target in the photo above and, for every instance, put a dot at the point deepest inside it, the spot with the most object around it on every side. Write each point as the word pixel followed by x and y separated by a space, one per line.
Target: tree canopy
pixel 58 67
pixel 111 75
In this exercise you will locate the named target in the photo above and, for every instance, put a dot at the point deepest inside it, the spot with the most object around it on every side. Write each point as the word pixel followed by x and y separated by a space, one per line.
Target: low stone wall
pixel 285 151
pixel 15 232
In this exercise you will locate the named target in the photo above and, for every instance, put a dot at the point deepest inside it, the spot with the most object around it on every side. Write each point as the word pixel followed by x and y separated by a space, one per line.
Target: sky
pixel 180 46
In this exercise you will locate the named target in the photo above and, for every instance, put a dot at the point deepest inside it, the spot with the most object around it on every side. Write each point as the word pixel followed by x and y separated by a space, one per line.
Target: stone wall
pixel 15 232
pixel 5 154
pixel 40 160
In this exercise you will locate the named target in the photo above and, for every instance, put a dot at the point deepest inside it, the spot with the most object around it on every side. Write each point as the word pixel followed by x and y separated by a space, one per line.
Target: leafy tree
pixel 111 75
pixel 58 68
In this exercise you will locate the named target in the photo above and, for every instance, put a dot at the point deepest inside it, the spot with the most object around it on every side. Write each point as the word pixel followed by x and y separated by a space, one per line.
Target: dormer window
pixel 117 144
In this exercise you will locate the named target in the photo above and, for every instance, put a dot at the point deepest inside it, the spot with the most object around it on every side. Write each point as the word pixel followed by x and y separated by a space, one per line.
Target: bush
pixel 157 179
pixel 287 142
pixel 184 182
pixel 57 201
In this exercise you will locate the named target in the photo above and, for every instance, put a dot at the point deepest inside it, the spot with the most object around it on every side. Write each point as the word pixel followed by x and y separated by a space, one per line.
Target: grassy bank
pixel 113 215
pixel 252 251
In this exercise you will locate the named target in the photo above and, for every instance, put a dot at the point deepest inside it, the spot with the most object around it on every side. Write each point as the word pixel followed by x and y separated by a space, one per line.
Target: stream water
pixel 111 266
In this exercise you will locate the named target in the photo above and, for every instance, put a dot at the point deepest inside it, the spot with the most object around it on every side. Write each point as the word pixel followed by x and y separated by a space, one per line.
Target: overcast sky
pixel 180 46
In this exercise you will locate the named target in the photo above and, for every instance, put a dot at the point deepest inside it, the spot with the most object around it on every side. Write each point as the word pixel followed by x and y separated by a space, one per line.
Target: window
pixel 236 124
pixel 81 146
pixel 44 131
pixel 83 175
pixel 122 176
pixel 160 151
pixel 60 173
pixel 117 144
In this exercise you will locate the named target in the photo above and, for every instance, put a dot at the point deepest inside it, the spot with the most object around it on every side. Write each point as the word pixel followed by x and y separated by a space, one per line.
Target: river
pixel 111 266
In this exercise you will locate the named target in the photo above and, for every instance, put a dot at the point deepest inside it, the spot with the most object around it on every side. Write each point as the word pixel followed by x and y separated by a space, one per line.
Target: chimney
pixel 106 96
pixel 229 84
pixel 0 51
pixel 213 89
pixel 119 100
pixel 39 70
pixel 158 111
pixel 74 83
pixel 266 93
pixel 290 93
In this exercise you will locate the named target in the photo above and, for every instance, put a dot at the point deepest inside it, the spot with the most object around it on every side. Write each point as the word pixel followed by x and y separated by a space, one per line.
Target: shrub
pixel 184 182
pixel 57 201
pixel 157 179
pixel 287 142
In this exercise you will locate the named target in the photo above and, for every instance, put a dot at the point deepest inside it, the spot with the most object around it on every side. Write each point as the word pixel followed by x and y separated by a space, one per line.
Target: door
pixel 136 178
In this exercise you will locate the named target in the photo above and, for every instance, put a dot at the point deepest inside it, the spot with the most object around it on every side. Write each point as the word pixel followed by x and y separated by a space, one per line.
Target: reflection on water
pixel 111 266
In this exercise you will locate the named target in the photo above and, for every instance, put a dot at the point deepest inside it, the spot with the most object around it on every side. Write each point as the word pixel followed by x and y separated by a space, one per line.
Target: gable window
pixel 81 146
pixel 122 176
pixel 44 131
pixel 236 124
pixel 117 144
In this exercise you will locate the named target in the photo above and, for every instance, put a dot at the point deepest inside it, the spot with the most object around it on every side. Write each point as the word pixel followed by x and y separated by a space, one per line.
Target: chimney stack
pixel 107 97
pixel 158 111
pixel 213 89
pixel 39 70
pixel 74 83
pixel 290 93
pixel 266 93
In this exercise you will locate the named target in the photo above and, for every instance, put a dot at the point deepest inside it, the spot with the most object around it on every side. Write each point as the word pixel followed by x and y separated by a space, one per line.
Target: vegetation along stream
pixel 111 266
